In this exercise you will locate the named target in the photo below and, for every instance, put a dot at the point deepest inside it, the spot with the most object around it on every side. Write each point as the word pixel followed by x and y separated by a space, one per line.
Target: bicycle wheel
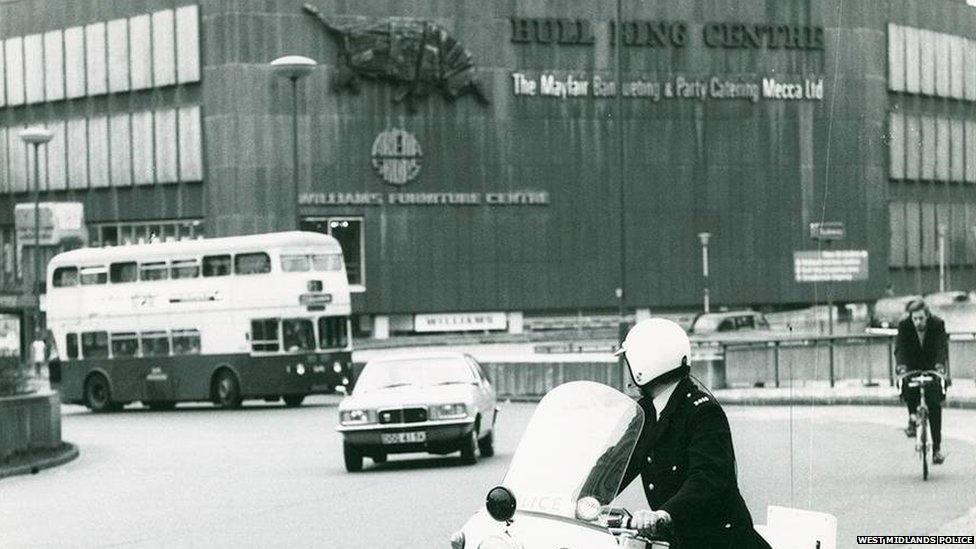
pixel 923 438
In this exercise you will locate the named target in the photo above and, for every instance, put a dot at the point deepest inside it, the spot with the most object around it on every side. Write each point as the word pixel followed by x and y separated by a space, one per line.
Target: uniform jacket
pixel 687 467
pixel 935 349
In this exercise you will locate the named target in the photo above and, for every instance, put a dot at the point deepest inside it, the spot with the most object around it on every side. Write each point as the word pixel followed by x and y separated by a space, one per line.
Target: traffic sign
pixel 830 265
pixel 828 230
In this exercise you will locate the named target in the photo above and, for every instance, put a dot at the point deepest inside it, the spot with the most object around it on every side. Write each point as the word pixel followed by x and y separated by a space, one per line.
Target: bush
pixel 13 380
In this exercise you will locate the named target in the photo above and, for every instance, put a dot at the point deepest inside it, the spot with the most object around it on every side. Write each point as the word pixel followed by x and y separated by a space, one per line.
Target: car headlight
pixel 449 411
pixel 354 417
pixel 499 542
pixel 337 367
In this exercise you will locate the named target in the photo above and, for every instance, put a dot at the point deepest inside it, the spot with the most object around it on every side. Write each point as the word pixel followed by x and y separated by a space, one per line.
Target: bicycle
pixel 921 379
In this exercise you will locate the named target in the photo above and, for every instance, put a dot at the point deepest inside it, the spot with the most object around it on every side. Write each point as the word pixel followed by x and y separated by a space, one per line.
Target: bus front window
pixel 294 263
pixel 298 334
pixel 327 262
pixel 333 333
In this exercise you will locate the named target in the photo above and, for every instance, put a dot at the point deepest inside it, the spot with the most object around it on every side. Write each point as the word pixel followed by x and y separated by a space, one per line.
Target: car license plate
pixel 399 438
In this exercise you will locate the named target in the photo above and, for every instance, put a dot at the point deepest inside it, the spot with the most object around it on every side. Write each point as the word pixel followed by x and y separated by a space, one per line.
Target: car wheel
pixel 98 395
pixel 379 458
pixel 468 447
pixel 352 457
pixel 293 401
pixel 486 446
pixel 227 391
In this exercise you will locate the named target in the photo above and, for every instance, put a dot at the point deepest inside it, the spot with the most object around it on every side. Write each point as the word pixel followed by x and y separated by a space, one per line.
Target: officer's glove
pixel 651 523
pixel 940 368
pixel 900 369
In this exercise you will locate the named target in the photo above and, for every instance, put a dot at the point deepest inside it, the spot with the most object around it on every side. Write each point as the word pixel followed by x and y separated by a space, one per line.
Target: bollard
pixel 891 364
pixel 830 343
pixel 776 363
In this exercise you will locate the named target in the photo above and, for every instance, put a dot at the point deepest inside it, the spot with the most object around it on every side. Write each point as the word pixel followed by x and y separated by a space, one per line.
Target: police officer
pixel 684 456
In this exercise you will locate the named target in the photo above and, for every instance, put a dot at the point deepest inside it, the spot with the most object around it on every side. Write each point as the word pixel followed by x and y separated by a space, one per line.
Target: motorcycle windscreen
pixel 577 444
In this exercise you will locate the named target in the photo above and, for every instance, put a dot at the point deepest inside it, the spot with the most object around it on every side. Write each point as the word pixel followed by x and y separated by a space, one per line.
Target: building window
pixel 914 233
pixel 117 233
pixel 349 232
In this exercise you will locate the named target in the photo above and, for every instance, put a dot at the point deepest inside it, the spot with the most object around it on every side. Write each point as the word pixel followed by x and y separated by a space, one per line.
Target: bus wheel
pixel 227 392
pixel 98 396
pixel 293 401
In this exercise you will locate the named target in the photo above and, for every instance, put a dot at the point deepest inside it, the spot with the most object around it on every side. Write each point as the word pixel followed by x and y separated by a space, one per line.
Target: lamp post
pixel 703 237
pixel 942 257
pixel 36 136
pixel 294 68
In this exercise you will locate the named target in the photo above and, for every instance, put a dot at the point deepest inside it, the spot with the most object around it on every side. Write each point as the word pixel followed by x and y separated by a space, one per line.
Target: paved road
pixel 268 476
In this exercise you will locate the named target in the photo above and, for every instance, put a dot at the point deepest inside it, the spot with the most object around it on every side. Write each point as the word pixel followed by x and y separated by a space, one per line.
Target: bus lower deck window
pixel 94 344
pixel 72 344
pixel 333 333
pixel 124 345
pixel 155 344
pixel 186 342
pixel 264 334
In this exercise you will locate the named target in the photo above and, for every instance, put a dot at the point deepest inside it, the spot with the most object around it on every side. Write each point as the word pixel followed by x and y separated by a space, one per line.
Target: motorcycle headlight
pixel 499 542
pixel 354 417
pixel 449 411
pixel 457 540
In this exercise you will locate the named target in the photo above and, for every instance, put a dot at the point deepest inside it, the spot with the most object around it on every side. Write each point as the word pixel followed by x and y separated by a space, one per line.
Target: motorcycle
pixel 564 476
pixel 559 490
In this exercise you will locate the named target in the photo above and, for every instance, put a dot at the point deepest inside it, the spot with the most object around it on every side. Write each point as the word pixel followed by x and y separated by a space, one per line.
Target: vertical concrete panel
pixel 95 52
pixel 143 168
pixel 969 70
pixel 943 75
pixel 187 44
pixel 17 157
pixel 928 223
pixel 957 235
pixel 14 66
pixel 943 148
pixel 78 153
pixel 958 140
pixel 163 48
pixel 120 141
pixel 913 57
pixel 56 169
pixel 896 57
pixel 927 46
pixel 165 145
pixel 896 145
pixel 53 66
pixel 913 234
pixel 3 78
pixel 191 145
pixel 928 148
pixel 4 164
pixel 140 52
pixel 896 220
pixel 913 147
pixel 970 152
pixel 34 68
pixel 74 62
pixel 118 55
pixel 98 151
pixel 957 48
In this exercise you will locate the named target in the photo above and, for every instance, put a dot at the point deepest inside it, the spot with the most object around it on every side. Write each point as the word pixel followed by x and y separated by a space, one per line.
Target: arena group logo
pixel 396 156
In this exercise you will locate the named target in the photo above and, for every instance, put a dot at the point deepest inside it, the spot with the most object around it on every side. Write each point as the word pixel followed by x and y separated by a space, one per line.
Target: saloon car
pixel 432 403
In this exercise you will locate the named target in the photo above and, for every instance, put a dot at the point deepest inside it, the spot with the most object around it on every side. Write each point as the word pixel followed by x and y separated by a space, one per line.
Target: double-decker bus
pixel 222 320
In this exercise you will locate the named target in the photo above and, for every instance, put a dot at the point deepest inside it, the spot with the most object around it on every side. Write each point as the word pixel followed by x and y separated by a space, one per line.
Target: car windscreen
pixel 706 324
pixel 413 371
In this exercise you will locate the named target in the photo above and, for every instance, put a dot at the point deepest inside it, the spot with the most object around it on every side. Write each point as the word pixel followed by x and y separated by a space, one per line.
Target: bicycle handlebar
pixel 923 376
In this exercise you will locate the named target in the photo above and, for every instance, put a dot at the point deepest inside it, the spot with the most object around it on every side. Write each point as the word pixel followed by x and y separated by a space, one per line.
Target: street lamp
pixel 294 67
pixel 703 237
pixel 942 257
pixel 36 136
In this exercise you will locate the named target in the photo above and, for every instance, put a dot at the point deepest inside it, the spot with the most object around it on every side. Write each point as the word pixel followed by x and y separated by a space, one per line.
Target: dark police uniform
pixel 687 468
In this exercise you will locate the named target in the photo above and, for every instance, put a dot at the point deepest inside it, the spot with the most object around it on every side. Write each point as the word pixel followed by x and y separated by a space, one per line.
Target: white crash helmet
pixel 653 347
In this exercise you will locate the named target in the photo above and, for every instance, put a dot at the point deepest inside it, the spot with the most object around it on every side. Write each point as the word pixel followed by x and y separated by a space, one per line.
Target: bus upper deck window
pixel 327 262
pixel 186 342
pixel 65 276
pixel 294 263
pixel 216 265
pixel 123 272
pixel 184 269
pixel 93 275
pixel 254 263
pixel 153 271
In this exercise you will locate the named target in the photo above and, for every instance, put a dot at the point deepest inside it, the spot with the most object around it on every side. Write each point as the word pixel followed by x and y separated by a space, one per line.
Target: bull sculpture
pixel 418 57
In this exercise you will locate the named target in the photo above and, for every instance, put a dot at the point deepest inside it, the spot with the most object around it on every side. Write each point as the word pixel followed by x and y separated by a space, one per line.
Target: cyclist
pixel 923 344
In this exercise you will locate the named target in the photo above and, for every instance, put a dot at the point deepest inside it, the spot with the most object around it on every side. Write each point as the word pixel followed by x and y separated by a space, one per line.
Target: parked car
pixel 889 311
pixel 435 403
pixel 728 321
